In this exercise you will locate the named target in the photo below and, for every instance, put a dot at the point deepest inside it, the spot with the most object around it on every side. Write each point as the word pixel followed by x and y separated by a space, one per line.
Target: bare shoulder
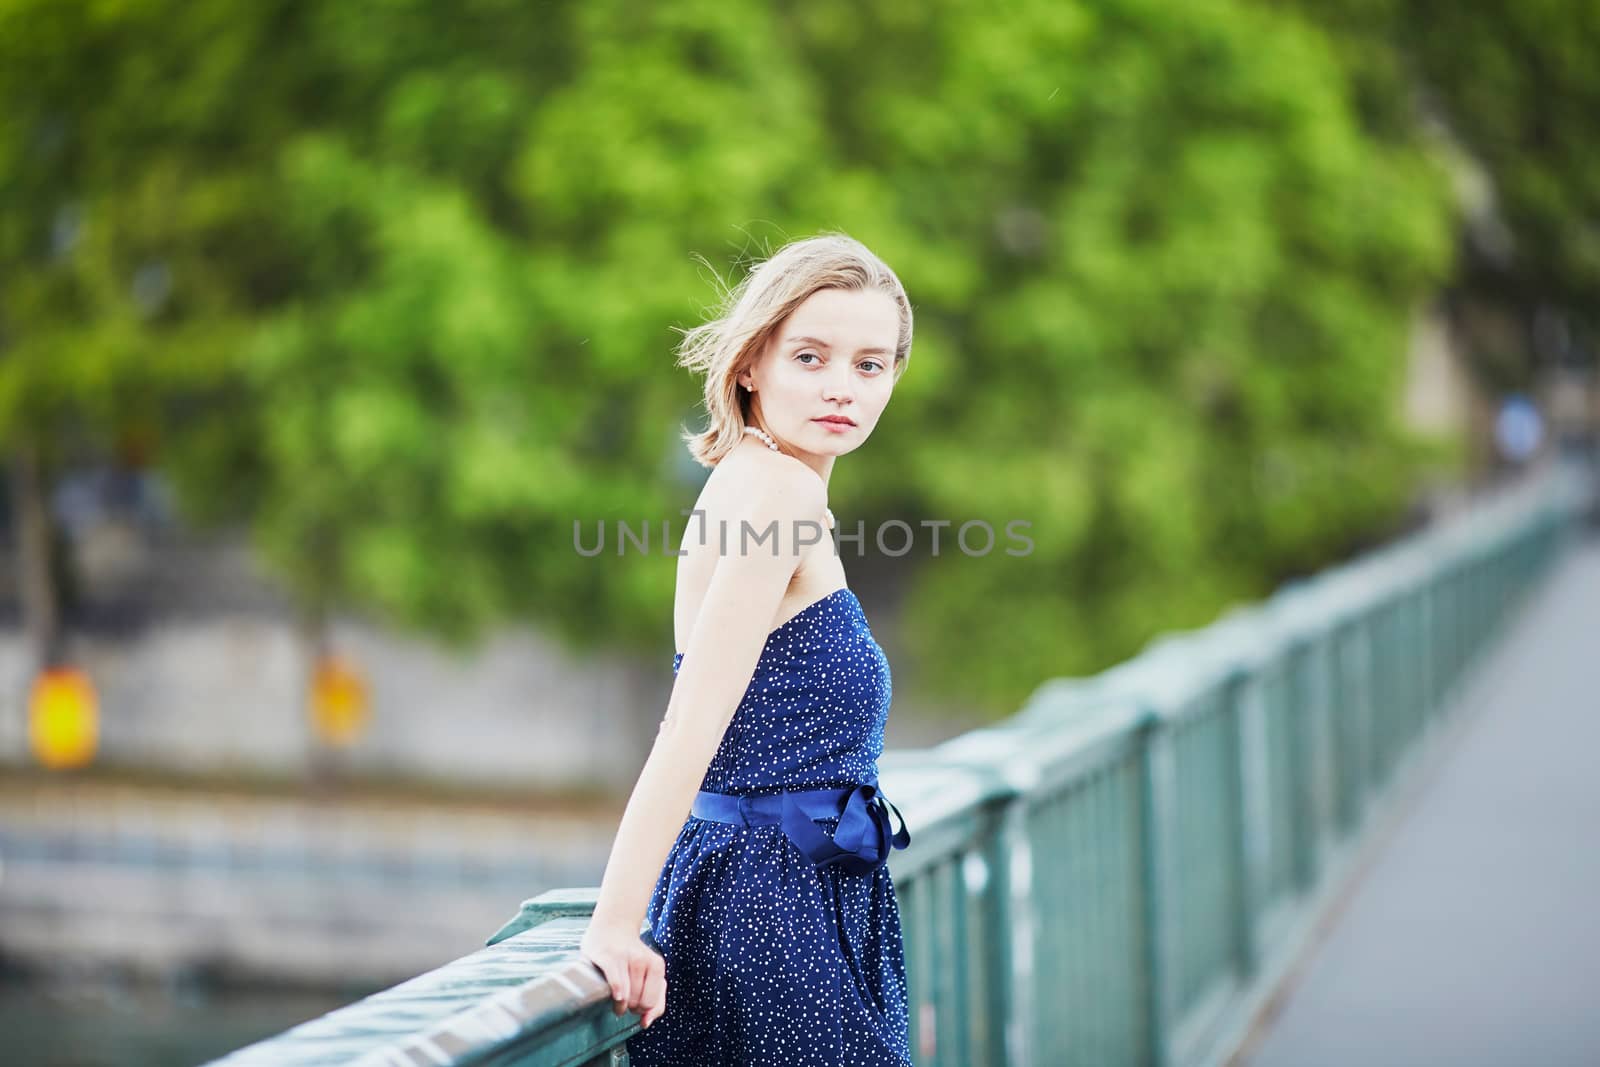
pixel 762 484
pixel 762 491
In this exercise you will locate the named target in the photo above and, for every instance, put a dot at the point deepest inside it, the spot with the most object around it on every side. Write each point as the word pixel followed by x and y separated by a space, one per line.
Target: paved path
pixel 1474 936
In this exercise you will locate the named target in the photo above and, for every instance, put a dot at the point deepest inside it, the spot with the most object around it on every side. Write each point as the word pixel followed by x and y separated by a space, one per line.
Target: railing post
pixel 1308 755
pixel 1247 775
pixel 1158 823
pixel 1427 655
pixel 987 882
pixel 1018 885
pixel 1363 716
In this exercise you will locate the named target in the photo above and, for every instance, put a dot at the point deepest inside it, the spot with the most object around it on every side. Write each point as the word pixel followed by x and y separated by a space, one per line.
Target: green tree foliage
pixel 1513 85
pixel 1167 283
pixel 1518 80
pixel 115 296
pixel 1163 276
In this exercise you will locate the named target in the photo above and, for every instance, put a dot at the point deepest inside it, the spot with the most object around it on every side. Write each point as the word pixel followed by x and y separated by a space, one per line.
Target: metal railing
pixel 1121 871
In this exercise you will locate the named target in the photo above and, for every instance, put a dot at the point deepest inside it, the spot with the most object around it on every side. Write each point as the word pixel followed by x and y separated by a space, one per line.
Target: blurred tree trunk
pixel 41 607
pixel 322 759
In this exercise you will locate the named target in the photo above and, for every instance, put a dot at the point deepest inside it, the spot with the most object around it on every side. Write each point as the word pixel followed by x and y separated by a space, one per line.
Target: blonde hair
pixel 752 310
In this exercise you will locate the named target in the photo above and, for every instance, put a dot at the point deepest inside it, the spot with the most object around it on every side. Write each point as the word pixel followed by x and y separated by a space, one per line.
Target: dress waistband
pixel 861 843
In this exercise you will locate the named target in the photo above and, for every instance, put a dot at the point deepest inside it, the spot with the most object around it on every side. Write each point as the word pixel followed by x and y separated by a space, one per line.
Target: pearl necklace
pixel 770 443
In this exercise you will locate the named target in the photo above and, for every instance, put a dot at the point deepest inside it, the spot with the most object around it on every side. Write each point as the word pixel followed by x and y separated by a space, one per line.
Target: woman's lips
pixel 836 427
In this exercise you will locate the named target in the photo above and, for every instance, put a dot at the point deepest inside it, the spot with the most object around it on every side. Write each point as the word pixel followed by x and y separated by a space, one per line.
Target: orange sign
pixel 339 705
pixel 63 718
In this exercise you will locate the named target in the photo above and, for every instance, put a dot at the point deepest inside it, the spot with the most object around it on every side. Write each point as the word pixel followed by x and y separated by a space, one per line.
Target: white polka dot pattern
pixel 771 960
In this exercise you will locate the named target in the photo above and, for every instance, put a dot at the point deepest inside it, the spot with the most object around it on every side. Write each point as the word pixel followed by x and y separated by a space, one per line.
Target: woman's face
pixel 833 357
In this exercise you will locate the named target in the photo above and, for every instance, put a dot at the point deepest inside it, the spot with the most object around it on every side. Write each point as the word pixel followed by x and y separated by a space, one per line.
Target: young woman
pixel 755 841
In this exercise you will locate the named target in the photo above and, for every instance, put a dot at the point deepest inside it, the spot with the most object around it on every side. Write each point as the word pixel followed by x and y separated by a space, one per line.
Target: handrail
pixel 1117 873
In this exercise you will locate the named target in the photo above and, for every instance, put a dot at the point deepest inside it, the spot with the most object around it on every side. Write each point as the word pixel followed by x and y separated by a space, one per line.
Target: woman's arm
pixel 719 661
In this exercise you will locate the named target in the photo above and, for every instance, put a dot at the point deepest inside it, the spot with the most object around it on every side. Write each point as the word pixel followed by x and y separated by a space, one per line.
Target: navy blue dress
pixel 771 960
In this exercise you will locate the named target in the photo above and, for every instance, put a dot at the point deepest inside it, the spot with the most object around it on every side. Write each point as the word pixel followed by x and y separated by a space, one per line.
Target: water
pixel 105 1020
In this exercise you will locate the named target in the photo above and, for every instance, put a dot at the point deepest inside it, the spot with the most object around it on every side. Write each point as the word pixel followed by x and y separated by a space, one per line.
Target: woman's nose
pixel 837 385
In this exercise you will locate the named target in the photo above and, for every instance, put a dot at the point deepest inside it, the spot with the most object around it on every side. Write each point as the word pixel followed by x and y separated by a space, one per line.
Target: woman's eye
pixel 873 363
pixel 813 355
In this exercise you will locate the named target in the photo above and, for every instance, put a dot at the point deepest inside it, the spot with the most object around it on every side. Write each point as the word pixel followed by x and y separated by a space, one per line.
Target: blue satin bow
pixel 860 844
pixel 863 839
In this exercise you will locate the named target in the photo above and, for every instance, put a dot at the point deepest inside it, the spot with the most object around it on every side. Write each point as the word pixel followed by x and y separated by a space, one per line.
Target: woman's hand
pixel 636 972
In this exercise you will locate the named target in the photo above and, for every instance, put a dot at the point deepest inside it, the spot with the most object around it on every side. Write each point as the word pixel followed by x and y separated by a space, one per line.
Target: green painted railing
pixel 1121 871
